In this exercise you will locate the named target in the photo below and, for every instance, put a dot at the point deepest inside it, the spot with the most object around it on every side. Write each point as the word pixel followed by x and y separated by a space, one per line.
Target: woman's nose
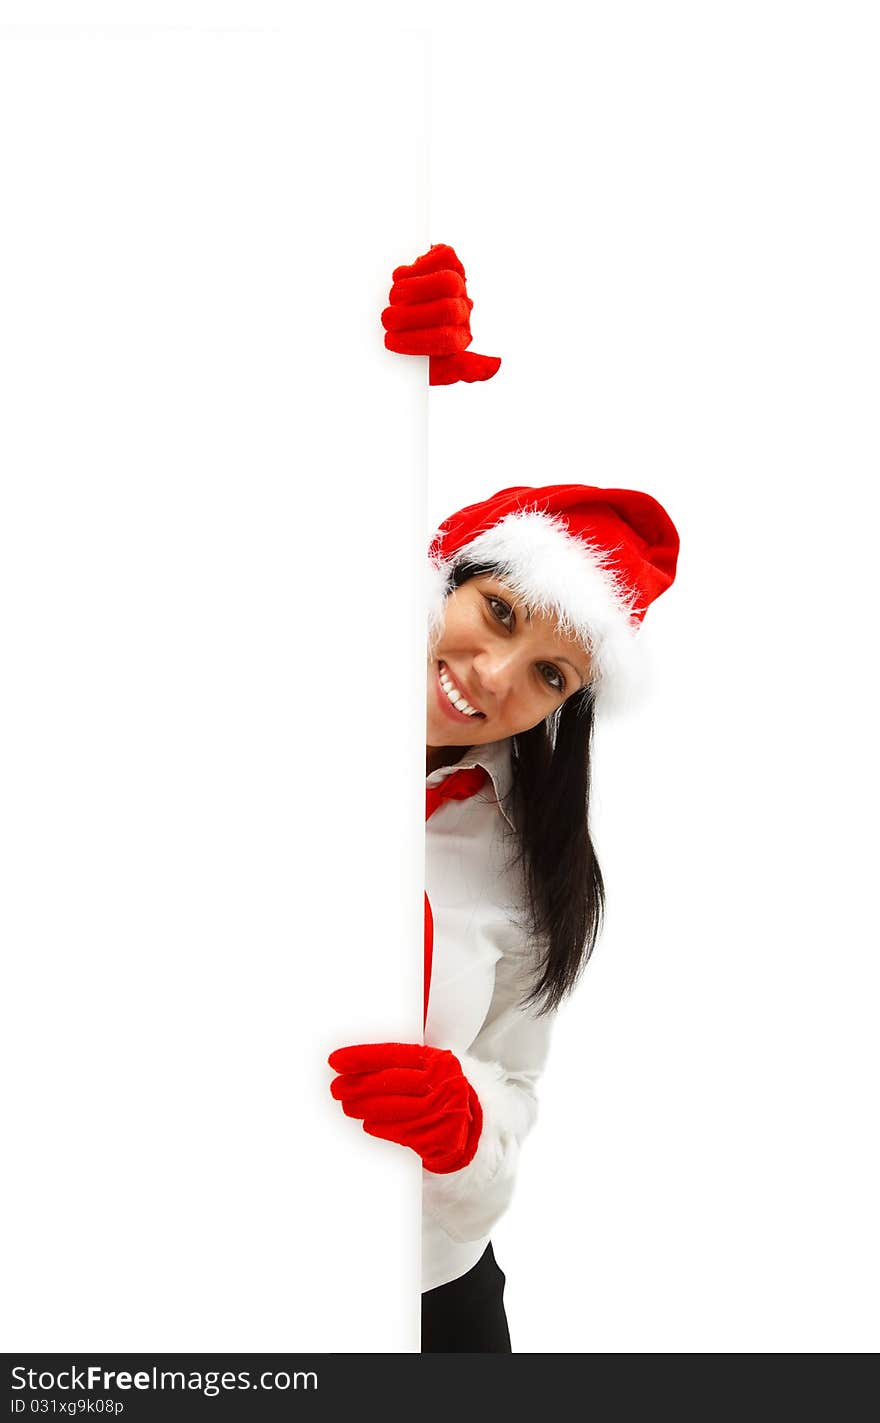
pixel 496 672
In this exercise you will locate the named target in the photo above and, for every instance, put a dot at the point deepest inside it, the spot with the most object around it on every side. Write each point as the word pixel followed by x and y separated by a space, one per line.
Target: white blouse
pixel 483 963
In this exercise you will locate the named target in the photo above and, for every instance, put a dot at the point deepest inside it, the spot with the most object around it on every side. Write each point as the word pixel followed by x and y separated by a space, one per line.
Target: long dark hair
pixel 550 807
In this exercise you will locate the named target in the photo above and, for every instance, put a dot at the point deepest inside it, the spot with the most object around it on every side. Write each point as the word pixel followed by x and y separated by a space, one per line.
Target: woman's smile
pixel 451 698
pixel 508 667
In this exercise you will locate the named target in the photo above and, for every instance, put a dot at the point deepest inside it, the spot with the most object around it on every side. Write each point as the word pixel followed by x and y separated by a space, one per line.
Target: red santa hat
pixel 592 558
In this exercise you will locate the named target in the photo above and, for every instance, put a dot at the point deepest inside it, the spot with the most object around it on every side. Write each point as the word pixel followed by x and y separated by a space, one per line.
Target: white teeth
pixel 455 696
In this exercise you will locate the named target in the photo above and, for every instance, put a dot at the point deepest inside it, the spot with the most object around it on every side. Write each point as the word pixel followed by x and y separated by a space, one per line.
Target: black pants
pixel 467 1315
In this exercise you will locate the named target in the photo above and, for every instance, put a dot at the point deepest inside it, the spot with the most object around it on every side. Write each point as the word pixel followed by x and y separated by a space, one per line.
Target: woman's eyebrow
pixel 574 669
pixel 567 660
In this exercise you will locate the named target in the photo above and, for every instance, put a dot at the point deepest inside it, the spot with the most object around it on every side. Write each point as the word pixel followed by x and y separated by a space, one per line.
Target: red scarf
pixel 459 786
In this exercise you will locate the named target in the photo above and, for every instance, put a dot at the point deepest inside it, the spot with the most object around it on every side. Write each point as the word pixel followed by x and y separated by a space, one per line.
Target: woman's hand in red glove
pixel 429 315
pixel 416 1096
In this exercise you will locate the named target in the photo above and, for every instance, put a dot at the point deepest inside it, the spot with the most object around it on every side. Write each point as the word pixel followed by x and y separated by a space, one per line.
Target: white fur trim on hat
pixel 557 573
pixel 439 585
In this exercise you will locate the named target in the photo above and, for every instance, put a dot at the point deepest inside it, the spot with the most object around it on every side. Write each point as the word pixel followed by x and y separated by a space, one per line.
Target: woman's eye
pixel 554 677
pixel 495 604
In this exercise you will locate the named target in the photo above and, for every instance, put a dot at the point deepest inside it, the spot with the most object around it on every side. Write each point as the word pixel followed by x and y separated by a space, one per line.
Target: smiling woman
pixel 498 669
pixel 537 596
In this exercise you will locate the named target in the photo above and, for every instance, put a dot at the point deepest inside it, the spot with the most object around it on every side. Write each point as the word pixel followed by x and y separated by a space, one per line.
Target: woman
pixel 541 592
pixel 537 597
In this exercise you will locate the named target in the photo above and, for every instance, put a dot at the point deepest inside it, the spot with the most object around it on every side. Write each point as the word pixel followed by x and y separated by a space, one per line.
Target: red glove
pixel 416 1096
pixel 429 315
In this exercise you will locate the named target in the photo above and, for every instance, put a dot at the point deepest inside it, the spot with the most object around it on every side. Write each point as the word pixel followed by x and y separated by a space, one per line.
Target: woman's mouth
pixel 454 703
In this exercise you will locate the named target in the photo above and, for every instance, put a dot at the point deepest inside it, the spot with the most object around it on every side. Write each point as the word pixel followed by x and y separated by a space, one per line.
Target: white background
pixel 669 220
pixel 670 224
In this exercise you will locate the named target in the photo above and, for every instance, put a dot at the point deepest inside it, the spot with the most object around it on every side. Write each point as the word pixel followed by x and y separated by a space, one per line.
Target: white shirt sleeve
pixel 503 1065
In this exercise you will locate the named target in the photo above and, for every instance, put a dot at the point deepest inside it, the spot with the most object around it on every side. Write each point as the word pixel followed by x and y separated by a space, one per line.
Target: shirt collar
pixel 494 757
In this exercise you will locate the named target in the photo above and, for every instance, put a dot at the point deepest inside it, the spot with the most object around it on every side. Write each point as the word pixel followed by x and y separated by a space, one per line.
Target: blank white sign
pixel 211 533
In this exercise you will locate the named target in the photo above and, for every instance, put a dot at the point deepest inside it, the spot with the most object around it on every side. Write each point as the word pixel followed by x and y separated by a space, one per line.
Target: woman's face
pixel 508 665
